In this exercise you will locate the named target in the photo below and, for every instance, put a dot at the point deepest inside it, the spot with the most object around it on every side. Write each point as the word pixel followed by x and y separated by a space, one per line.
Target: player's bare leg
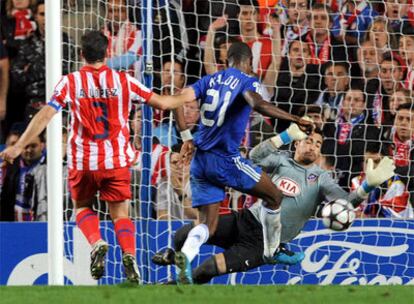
pixel 269 213
pixel 208 220
pixel 125 233
pixel 88 223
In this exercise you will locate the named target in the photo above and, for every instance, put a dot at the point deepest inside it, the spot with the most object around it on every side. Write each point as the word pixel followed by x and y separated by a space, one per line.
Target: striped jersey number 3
pixel 211 107
pixel 103 119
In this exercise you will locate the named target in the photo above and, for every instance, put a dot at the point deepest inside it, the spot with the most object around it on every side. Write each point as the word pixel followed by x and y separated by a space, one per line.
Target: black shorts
pixel 241 235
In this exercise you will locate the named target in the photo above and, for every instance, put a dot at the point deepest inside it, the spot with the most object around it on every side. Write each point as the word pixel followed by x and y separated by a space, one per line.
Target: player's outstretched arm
pixel 171 102
pixel 264 154
pixel 36 126
pixel 270 110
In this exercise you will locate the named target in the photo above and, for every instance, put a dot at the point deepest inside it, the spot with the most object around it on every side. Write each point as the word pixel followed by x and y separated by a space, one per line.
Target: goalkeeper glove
pixel 290 134
pixel 377 176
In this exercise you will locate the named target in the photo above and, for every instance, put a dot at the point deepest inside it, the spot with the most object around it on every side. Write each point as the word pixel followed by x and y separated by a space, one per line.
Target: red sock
pixel 88 223
pixel 125 233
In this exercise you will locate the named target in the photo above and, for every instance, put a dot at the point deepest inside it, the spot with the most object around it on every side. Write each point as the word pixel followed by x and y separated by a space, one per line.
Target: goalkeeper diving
pixel 305 186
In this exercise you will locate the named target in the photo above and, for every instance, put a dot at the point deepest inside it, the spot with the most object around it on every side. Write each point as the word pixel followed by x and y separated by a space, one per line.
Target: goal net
pixel 347 66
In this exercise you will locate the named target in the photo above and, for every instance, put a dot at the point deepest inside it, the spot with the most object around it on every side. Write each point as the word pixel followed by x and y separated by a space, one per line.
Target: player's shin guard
pixel 270 220
pixel 196 237
pixel 125 234
pixel 88 223
pixel 206 271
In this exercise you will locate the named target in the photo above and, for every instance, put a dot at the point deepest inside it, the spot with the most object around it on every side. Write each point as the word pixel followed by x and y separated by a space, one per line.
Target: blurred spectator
pixel 28 69
pixel 18 24
pixel 24 192
pixel 314 112
pixel 158 155
pixel 382 34
pixel 192 115
pixel 172 76
pixel 173 200
pixel 211 63
pixel 397 98
pixel 78 16
pixel 170 33
pixel 388 200
pixel 4 83
pixel 369 59
pixel 125 41
pixel 298 82
pixel 346 137
pixel 323 45
pixel 402 136
pixel 352 22
pixel 172 81
pixel 406 49
pixel 396 14
pixel 261 46
pixel 298 23
pixel 11 139
pixel 337 82
pixel 390 76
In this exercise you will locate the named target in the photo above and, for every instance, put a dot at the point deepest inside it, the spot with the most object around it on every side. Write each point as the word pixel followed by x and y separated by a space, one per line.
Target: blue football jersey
pixel 224 111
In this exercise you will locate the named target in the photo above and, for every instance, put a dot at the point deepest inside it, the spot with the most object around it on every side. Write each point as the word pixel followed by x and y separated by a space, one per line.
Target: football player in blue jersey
pixel 226 101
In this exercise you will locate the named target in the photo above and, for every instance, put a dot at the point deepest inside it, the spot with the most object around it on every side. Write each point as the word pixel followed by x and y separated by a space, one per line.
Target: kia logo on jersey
pixel 288 187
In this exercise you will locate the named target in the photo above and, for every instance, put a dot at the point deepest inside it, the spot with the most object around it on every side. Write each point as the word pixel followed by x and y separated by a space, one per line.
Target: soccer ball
pixel 338 215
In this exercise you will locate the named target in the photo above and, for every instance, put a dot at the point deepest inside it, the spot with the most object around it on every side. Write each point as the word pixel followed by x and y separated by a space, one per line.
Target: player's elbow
pixel 162 102
pixel 259 107
pixel 164 106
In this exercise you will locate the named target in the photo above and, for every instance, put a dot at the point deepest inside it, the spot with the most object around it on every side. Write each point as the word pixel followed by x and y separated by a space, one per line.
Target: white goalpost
pixel 54 146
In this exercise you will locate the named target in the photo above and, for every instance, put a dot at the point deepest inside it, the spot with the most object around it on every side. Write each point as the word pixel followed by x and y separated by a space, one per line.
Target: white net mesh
pixel 345 64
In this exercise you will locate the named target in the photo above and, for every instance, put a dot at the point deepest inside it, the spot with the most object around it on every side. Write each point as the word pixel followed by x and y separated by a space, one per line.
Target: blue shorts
pixel 212 173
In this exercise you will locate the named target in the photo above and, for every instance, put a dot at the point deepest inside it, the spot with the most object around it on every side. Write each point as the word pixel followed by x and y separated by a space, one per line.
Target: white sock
pixel 196 237
pixel 270 220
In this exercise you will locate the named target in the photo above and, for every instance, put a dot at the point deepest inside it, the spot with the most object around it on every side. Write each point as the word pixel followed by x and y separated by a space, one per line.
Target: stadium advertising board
pixel 370 252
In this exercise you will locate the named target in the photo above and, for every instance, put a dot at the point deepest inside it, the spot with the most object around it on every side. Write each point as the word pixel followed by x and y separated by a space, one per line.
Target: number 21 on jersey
pixel 212 107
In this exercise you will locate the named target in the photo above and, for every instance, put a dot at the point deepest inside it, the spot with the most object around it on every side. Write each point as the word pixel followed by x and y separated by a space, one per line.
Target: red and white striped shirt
pixel 409 81
pixel 160 160
pixel 100 101
pixel 262 55
pixel 128 39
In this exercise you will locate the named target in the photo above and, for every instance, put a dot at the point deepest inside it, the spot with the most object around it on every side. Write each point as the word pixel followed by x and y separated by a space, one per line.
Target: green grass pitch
pixel 209 294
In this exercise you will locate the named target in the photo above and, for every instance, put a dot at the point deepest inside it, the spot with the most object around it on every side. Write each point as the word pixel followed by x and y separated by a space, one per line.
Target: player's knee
pixel 181 235
pixel 212 225
pixel 118 210
pixel 206 271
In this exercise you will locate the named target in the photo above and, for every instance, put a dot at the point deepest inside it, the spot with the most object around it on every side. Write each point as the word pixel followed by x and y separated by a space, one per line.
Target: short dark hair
pixel 177 148
pixel 238 53
pixel 248 2
pixel 225 39
pixel 167 59
pixel 36 7
pixel 302 41
pixel 406 106
pixel 319 131
pixel 389 56
pixel 94 46
pixel 324 7
pixel 314 108
pixel 376 147
pixel 331 63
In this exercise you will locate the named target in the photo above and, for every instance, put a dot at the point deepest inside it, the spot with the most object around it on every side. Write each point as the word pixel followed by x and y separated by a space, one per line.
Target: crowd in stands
pixel 347 64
